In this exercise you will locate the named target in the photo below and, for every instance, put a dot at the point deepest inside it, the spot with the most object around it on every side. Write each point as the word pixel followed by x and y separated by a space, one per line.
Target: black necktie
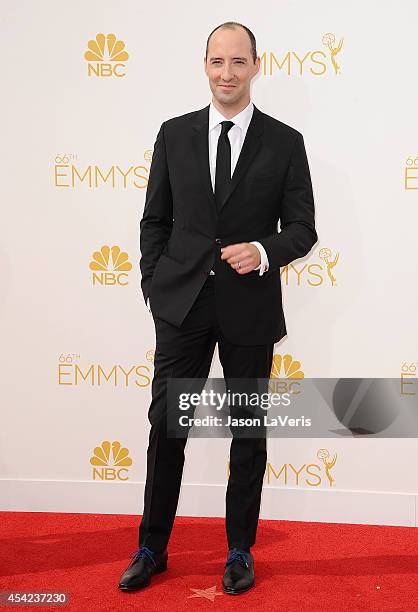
pixel 223 164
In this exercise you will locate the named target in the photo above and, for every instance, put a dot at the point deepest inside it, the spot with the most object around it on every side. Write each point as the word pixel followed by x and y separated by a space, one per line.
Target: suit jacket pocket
pixel 166 269
pixel 171 250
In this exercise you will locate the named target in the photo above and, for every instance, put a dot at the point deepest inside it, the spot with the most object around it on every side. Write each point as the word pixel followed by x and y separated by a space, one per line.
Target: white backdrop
pixel 77 343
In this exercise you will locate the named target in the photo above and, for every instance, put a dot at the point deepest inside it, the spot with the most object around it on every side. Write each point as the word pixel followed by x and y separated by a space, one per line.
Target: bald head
pixel 233 25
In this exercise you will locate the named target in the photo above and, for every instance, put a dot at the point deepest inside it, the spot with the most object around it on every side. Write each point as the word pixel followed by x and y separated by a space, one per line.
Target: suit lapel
pixel 201 150
pixel 250 147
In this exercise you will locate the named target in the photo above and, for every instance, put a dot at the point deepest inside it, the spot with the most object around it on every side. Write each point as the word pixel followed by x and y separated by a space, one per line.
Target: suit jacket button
pixel 218 241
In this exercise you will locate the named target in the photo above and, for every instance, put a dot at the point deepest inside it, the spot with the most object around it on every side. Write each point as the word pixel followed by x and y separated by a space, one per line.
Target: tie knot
pixel 226 126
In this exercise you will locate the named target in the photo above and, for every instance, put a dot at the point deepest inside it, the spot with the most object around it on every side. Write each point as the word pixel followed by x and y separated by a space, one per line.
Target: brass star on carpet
pixel 209 594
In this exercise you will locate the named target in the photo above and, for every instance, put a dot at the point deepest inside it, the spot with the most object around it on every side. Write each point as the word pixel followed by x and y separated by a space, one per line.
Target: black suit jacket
pixel 181 233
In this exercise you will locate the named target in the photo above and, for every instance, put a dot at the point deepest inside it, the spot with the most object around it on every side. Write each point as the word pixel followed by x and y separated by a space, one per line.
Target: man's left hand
pixel 244 253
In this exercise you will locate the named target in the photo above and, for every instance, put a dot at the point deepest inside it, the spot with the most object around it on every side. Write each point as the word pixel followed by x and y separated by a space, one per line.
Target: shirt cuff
pixel 264 264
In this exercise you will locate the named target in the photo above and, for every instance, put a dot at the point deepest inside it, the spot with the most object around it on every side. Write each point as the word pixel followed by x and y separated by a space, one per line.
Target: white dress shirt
pixel 236 137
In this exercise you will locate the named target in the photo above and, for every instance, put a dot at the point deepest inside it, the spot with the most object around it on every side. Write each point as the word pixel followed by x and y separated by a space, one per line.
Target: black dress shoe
pixel 144 564
pixel 239 572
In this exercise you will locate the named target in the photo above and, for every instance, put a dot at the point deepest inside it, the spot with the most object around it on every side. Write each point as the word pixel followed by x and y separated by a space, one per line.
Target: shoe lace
pixel 141 552
pixel 239 556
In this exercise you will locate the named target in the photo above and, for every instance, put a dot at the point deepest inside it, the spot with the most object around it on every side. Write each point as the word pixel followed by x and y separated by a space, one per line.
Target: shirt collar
pixel 242 119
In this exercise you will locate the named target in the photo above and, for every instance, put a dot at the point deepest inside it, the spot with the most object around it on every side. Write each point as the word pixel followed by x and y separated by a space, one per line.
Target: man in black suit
pixel 221 179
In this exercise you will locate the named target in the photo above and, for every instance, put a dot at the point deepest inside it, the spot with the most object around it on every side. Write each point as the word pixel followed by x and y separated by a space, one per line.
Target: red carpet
pixel 299 566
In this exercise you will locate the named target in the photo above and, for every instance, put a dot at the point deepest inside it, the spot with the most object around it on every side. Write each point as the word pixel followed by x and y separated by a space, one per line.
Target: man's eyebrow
pixel 234 58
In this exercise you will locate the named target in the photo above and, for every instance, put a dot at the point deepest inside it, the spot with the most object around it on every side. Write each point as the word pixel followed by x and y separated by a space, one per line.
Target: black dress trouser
pixel 187 352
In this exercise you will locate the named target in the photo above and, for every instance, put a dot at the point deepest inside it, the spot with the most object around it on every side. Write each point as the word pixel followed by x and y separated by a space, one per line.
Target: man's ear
pixel 257 62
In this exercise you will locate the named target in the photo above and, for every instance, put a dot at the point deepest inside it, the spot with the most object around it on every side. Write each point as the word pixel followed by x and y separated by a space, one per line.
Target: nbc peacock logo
pixel 284 374
pixel 110 461
pixel 106 56
pixel 110 266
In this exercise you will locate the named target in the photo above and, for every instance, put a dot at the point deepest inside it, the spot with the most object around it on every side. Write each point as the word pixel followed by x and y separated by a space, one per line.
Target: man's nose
pixel 227 74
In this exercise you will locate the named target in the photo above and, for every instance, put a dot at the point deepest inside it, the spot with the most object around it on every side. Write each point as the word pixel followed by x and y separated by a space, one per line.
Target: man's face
pixel 229 65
